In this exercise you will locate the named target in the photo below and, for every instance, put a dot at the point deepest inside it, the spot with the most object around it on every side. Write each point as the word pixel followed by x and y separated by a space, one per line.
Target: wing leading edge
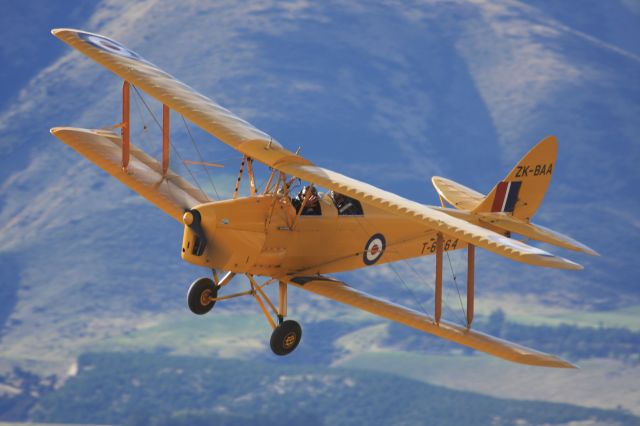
pixel 341 292
pixel 245 138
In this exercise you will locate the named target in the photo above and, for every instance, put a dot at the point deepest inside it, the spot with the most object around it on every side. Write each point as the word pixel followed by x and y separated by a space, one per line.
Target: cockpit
pixel 309 200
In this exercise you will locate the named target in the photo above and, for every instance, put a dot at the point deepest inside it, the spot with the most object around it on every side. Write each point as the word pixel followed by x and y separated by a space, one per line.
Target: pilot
pixel 312 207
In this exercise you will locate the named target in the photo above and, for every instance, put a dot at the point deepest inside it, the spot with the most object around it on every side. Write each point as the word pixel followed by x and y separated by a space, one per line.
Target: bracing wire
pixel 429 285
pixel 175 150
pixel 143 133
pixel 411 292
pixel 455 281
pixel 193 142
pixel 147 106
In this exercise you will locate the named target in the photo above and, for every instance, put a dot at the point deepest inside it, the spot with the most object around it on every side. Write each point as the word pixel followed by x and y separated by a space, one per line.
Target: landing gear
pixel 200 295
pixel 285 337
pixel 203 294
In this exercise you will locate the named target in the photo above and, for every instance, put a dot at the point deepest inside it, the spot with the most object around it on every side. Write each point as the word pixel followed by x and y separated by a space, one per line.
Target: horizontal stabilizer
pixel 341 292
pixel 456 194
pixel 534 232
pixel 170 193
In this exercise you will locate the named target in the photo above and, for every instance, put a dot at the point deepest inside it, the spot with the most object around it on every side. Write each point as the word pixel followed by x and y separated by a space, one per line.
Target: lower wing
pixel 341 292
pixel 171 193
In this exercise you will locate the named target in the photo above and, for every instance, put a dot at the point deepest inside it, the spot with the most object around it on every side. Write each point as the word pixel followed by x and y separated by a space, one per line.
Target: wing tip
pixel 569 265
pixel 552 361
pixel 588 250
pixel 562 263
pixel 59 31
pixel 57 131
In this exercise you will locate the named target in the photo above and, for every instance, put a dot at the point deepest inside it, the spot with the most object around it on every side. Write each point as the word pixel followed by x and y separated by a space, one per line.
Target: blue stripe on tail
pixel 512 196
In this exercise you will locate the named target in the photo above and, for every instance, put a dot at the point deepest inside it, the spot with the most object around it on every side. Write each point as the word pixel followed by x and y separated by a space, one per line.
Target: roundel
pixel 108 45
pixel 374 249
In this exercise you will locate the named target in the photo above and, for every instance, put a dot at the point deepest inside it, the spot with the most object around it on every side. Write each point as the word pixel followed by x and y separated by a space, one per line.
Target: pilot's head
pixel 313 197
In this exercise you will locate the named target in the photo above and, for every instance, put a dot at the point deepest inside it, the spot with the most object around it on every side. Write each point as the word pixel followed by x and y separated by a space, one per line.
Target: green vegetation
pixel 626 317
pixel 230 335
pixel 153 389
pixel 598 383
pixel 573 342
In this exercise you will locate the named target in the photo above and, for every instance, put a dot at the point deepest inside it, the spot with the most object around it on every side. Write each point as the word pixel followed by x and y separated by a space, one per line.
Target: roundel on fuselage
pixel 374 249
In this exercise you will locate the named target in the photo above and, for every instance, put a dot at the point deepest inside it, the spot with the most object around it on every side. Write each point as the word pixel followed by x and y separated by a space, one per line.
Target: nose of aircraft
pixel 193 219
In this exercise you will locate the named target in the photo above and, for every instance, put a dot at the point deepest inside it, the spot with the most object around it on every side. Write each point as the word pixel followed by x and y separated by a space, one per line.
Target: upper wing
pixel 339 291
pixel 421 213
pixel 245 138
pixel 199 109
pixel 170 193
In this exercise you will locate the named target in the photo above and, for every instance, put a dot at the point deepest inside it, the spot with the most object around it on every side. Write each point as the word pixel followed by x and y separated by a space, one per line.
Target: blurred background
pixel 94 327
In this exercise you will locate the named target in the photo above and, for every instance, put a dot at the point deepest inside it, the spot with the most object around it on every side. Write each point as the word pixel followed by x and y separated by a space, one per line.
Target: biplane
pixel 279 239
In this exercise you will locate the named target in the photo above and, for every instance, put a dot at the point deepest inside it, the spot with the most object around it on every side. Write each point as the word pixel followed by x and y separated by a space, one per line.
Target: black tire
pixel 199 291
pixel 286 337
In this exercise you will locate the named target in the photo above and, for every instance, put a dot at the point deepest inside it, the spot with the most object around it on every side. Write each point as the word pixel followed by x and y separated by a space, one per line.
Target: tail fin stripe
pixel 512 197
pixel 498 201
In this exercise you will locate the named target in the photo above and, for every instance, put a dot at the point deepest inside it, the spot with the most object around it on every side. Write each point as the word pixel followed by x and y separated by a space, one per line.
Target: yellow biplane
pixel 295 239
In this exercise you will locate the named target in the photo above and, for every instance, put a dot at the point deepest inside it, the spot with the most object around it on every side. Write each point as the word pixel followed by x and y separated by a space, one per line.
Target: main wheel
pixel 285 337
pixel 199 296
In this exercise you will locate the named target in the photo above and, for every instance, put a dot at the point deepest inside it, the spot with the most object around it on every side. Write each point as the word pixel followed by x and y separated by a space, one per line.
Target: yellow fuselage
pixel 263 235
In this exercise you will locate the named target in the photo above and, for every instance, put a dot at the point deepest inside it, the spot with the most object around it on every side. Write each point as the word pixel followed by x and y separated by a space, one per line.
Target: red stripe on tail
pixel 498 201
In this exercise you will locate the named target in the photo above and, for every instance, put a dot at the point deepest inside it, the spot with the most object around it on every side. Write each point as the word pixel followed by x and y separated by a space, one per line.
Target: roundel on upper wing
pixel 374 249
pixel 108 45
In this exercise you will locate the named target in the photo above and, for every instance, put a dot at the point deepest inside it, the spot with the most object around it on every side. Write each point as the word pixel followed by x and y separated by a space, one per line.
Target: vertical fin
pixel 523 190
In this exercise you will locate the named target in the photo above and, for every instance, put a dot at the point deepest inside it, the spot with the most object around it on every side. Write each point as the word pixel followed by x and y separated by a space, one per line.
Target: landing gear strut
pixel 286 335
